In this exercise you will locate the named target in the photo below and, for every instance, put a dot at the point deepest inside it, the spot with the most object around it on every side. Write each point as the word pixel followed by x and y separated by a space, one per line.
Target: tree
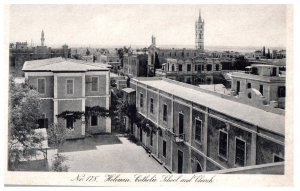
pixel 56 137
pixel 57 134
pixel 24 111
pixel 264 51
pixel 241 63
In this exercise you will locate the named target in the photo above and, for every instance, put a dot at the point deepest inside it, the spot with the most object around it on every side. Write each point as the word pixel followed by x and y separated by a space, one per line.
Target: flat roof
pixel 128 90
pixel 62 64
pixel 252 115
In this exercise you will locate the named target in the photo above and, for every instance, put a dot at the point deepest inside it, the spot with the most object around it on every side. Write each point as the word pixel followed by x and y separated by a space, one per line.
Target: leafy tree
pixel 24 111
pixel 57 135
pixel 241 63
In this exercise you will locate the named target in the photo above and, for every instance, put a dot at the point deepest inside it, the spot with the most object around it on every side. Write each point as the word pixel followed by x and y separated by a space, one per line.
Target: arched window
pixel 217 67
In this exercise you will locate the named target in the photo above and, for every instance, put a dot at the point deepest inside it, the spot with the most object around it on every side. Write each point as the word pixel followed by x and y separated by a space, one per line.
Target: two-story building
pixel 193 130
pixel 262 84
pixel 71 87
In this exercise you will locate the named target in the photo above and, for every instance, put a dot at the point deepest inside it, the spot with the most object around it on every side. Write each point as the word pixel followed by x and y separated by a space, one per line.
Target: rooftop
pixel 252 115
pixel 128 90
pixel 280 78
pixel 62 64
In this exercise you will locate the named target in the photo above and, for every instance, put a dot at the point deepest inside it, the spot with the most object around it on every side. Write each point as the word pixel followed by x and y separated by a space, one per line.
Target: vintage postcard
pixel 131 95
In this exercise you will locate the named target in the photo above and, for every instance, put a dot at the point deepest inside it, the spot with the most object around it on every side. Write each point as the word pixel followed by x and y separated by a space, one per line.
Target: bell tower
pixel 199 33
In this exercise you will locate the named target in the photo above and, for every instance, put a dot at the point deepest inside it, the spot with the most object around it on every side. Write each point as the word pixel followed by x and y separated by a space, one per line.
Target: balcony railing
pixel 179 138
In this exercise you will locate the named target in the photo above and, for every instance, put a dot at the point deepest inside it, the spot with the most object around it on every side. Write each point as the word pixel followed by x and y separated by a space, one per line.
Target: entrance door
pixel 274 71
pixel 180 161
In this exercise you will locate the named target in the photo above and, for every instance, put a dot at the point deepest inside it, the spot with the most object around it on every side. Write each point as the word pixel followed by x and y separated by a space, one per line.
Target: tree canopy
pixel 24 111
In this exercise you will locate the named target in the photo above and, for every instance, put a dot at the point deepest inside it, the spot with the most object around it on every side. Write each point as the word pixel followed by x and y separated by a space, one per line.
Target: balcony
pixel 179 138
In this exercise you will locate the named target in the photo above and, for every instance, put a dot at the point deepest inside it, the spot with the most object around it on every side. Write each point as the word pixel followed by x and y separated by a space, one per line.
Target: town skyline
pixel 263 25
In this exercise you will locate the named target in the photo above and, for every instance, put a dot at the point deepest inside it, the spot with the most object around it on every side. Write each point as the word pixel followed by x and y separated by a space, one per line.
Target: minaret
pixel 199 32
pixel 42 38
pixel 153 41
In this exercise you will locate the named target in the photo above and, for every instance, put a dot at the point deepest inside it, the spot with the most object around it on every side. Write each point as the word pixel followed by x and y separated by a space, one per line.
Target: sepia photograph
pixel 142 94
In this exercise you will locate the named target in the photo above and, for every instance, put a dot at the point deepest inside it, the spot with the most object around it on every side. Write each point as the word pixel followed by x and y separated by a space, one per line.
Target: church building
pixel 191 66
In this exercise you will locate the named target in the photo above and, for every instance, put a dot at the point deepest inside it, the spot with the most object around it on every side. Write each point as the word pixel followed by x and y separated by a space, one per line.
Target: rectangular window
pixel 164 148
pixel 188 67
pixel 94 120
pixel 199 67
pixel 151 105
pixel 248 85
pixel 70 87
pixel 237 86
pixel 261 89
pixel 240 152
pixel 223 144
pixel 41 86
pixel 277 158
pixel 198 130
pixel 69 122
pixel 141 100
pixel 180 67
pixel 181 119
pixel 165 112
pixel 95 84
pixel 281 91
pixel 196 67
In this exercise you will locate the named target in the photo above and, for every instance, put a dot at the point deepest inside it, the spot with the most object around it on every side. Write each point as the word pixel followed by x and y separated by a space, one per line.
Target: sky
pixel 112 25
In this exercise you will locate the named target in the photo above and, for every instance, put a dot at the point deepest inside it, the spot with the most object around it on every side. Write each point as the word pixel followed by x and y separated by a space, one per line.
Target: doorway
pixel 180 161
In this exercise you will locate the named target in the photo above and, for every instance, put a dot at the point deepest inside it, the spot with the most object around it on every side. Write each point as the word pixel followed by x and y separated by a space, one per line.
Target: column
pixel 253 149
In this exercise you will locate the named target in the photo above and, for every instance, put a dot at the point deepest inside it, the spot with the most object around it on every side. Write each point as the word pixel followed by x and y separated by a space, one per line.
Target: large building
pixel 69 88
pixel 191 66
pixel 21 52
pixel 189 129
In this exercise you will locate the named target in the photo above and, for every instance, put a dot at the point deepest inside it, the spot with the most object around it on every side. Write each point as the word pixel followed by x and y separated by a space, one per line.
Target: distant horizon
pixel 207 48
